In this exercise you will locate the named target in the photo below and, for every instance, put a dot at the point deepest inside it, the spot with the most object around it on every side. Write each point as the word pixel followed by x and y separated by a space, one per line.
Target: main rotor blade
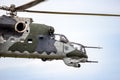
pixel 28 5
pixel 72 13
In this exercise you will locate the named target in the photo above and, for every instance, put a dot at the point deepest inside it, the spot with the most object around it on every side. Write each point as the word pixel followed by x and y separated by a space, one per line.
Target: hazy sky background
pixel 87 30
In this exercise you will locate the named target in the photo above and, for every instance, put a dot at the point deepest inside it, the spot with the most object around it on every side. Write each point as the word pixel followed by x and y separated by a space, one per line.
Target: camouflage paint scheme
pixel 36 41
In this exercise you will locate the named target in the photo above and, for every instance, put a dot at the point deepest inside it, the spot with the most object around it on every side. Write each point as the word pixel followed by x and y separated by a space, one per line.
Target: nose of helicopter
pixel 77 53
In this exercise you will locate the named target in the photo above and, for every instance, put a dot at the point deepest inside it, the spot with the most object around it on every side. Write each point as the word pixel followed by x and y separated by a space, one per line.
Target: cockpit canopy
pixel 63 38
pixel 78 46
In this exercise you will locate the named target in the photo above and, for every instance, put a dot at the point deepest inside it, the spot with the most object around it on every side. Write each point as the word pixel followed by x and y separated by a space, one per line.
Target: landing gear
pixel 44 59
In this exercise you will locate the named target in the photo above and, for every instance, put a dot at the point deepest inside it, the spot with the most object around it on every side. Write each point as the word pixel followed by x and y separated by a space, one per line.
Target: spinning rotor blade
pixel 28 5
pixel 72 13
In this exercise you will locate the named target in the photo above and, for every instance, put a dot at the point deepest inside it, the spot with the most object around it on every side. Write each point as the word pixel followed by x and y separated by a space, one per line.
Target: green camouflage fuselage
pixel 21 38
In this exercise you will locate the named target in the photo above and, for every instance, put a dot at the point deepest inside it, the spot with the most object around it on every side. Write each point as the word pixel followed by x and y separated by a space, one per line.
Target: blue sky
pixel 87 30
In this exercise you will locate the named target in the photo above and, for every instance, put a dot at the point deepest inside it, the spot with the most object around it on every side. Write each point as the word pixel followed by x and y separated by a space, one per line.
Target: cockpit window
pixel 61 38
pixel 57 37
pixel 78 47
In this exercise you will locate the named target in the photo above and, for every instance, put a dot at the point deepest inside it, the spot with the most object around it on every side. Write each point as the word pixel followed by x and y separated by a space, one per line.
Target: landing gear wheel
pixel 43 59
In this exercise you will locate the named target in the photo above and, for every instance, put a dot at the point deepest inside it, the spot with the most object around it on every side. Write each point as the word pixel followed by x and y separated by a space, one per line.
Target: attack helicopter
pixel 20 38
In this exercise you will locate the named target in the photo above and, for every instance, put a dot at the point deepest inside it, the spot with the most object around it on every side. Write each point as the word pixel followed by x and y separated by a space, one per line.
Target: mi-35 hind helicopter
pixel 20 38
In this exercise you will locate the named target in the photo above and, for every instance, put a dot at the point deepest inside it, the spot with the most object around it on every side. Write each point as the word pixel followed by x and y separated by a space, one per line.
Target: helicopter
pixel 20 38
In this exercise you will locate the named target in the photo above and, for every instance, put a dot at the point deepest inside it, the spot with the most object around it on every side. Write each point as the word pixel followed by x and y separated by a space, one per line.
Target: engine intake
pixel 20 27
pixel 9 24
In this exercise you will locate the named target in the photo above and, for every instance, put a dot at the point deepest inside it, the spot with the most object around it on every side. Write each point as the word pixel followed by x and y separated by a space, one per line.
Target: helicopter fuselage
pixel 20 38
